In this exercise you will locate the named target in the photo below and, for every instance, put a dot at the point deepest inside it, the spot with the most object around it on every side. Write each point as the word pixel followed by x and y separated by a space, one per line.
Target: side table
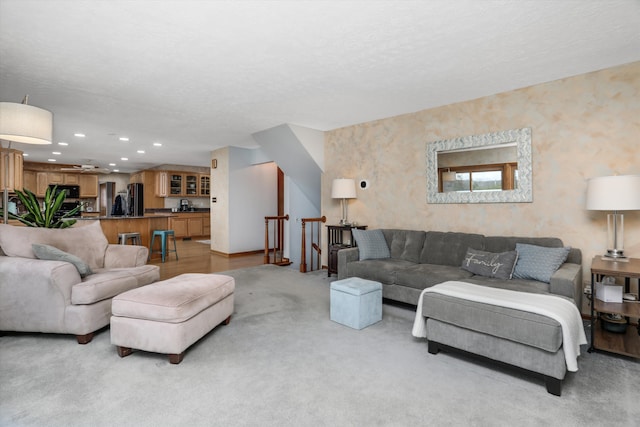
pixel 627 343
pixel 335 242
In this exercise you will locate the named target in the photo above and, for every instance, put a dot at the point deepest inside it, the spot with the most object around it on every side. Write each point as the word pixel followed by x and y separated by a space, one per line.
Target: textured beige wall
pixel 582 127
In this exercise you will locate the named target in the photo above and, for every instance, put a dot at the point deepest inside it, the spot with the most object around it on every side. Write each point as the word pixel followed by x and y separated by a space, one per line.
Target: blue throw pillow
pixel 371 244
pixel 538 262
pixel 55 254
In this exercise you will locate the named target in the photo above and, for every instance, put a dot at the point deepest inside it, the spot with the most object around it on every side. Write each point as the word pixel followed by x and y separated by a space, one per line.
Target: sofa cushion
pixel 54 254
pixel 490 264
pixel 538 262
pixel 379 270
pixel 144 274
pixel 371 244
pixel 449 248
pixel 103 285
pixel 87 242
pixel 519 326
pixel 405 244
pixel 420 276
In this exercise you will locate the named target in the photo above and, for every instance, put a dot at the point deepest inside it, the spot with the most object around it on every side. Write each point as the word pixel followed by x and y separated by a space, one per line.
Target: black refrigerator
pixel 135 200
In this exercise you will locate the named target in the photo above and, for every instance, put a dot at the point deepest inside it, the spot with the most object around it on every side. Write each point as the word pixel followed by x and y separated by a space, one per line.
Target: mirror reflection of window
pixel 479 178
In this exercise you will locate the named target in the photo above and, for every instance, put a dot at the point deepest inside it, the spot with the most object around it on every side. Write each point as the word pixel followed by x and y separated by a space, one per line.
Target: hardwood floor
pixel 194 257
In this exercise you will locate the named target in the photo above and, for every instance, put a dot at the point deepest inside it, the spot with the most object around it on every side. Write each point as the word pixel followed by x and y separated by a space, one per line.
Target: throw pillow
pixel 490 264
pixel 539 262
pixel 54 254
pixel 371 244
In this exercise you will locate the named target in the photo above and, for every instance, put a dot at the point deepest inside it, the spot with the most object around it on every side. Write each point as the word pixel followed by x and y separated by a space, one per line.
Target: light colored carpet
pixel 282 362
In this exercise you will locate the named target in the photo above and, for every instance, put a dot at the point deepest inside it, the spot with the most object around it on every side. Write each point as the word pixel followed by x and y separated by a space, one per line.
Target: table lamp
pixel 343 188
pixel 614 193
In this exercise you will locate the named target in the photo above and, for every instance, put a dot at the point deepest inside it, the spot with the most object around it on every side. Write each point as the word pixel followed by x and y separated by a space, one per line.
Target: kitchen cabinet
pixel 175 184
pixel 190 224
pixel 36 182
pixel 190 185
pixel 88 186
pixel 161 180
pixel 15 169
pixel 63 178
pixel 136 178
pixel 205 186
pixel 206 224
pixel 42 183
pixel 29 181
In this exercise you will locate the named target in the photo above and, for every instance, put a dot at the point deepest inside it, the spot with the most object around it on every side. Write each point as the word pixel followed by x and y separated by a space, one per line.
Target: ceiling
pixel 196 76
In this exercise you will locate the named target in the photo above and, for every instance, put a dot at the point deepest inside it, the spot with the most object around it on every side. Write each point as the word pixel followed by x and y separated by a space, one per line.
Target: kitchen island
pixel 113 225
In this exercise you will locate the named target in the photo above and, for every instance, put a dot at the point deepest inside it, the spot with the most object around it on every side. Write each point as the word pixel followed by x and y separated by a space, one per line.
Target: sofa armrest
pixel 125 256
pixel 567 281
pixel 346 256
pixel 34 293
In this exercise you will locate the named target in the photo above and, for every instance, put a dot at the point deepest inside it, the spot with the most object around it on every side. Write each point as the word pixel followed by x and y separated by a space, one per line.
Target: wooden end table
pixel 628 343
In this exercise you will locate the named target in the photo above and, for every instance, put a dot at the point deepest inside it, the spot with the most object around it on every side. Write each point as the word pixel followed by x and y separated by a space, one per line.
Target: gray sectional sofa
pixel 419 259
pixel 422 259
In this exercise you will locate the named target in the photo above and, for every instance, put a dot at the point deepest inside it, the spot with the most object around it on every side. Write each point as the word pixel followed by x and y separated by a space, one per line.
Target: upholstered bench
pixel 169 316
pixel 525 339
pixel 356 302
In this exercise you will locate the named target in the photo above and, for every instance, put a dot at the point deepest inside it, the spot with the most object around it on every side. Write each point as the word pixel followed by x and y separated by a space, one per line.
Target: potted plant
pixel 46 216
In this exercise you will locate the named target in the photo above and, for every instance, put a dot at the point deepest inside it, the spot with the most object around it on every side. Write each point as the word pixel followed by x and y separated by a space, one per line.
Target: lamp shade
pixel 25 123
pixel 614 193
pixel 343 188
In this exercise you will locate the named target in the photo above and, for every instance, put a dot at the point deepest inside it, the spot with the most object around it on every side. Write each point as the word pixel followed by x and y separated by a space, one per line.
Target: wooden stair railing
pixel 277 250
pixel 314 246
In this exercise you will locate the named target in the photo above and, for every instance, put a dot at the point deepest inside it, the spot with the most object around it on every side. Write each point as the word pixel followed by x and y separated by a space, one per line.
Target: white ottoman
pixel 168 316
pixel 356 302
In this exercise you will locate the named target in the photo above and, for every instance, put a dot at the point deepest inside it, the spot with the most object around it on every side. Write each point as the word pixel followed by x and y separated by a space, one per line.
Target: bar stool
pixel 135 238
pixel 163 243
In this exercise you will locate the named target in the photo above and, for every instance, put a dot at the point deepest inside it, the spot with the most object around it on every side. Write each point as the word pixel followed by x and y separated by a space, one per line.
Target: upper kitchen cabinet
pixel 175 184
pixel 162 179
pixel 15 170
pixel 205 185
pixel 88 185
pixel 190 184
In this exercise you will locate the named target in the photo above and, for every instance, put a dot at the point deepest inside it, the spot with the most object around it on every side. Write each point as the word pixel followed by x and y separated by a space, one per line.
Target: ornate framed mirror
pixel 488 168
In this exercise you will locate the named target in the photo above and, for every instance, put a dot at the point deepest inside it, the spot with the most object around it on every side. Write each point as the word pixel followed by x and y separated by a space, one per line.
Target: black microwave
pixel 70 191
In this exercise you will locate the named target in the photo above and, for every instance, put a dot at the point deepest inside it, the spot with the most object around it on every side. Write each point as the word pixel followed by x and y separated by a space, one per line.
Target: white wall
pixel 253 194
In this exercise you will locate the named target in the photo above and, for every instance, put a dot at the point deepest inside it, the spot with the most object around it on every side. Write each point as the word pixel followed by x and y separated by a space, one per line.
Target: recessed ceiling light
pixel 63 143
pixel 79 135
pixel 116 170
pixel 157 144
pixel 51 160
pixel 25 154
pixel 57 153
pixel 124 159
pixel 124 138
pixel 140 151
pixel 112 164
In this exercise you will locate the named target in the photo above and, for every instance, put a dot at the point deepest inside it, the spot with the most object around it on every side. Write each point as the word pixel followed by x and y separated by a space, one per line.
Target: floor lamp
pixel 21 123
pixel 614 194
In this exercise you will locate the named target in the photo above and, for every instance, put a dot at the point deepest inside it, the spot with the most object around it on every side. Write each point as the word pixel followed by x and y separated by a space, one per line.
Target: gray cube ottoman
pixel 169 316
pixel 356 302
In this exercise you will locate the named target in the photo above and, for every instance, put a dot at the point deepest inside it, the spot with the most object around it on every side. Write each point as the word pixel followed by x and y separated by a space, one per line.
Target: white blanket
pixel 557 308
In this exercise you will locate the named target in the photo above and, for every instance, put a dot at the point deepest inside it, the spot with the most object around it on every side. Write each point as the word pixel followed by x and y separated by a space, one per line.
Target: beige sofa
pixel 38 295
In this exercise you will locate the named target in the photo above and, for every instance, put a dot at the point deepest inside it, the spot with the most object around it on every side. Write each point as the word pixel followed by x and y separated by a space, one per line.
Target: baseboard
pixel 237 254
